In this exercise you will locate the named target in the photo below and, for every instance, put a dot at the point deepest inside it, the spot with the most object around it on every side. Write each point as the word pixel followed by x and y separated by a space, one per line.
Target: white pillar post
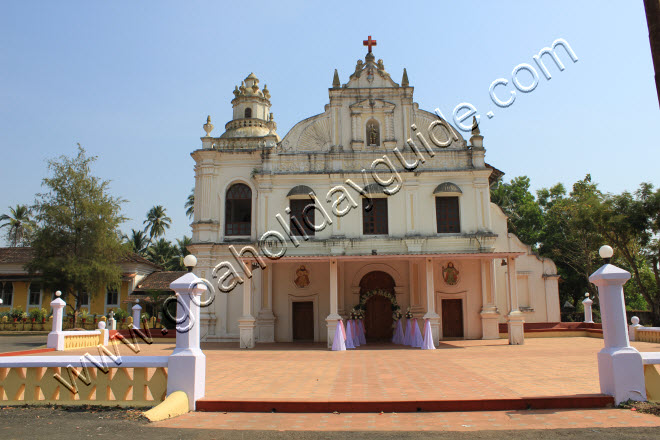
pixel 620 366
pixel 588 314
pixel 137 311
pixel 112 322
pixel 186 366
pixel 489 316
pixel 633 328
pixel 431 314
pixel 515 319
pixel 247 322
pixel 333 317
pixel 56 336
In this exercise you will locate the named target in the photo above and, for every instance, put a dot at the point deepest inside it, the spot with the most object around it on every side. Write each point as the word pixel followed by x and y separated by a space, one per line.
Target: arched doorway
pixel 378 309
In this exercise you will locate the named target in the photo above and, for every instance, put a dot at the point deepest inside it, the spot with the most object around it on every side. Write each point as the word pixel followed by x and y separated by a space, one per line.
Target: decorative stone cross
pixel 112 314
pixel 369 43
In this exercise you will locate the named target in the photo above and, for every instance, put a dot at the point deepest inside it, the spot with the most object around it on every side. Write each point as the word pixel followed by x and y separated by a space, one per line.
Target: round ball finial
pixel 586 294
pixel 190 261
pixel 634 320
pixel 101 325
pixel 58 293
pixel 606 253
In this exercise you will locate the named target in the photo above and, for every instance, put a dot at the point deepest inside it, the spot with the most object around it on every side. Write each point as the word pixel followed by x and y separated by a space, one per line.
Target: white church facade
pixel 372 205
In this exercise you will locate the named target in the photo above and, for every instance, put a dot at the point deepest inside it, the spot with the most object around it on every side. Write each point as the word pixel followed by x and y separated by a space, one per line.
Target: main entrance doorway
pixel 378 314
pixel 303 320
pixel 452 318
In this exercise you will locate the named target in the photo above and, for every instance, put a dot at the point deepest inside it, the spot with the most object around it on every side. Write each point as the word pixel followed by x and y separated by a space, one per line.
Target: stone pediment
pixel 370 74
pixel 371 105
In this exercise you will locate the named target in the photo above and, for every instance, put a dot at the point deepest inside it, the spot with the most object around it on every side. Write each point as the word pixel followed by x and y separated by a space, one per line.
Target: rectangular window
pixel 447 215
pixel 112 297
pixel 7 294
pixel 83 299
pixel 297 207
pixel 34 299
pixel 374 220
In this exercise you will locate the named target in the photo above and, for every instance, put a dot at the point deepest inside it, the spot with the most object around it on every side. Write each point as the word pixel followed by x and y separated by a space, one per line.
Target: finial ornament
pixel 404 80
pixel 475 127
pixel 208 127
pixel 606 253
pixel 335 80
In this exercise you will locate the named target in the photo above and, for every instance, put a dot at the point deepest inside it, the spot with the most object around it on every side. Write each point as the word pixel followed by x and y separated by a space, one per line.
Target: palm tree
pixel 157 221
pixel 190 204
pixel 162 253
pixel 180 250
pixel 138 242
pixel 20 225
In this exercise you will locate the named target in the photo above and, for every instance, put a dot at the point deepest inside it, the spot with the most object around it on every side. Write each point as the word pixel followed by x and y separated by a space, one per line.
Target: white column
pixel 431 314
pixel 588 314
pixel 515 319
pixel 489 316
pixel 56 336
pixel 620 367
pixel 136 315
pixel 186 366
pixel 247 322
pixel 266 321
pixel 632 328
pixel 333 317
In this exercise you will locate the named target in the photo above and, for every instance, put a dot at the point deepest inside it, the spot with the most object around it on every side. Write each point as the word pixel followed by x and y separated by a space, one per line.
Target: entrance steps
pixel 511 404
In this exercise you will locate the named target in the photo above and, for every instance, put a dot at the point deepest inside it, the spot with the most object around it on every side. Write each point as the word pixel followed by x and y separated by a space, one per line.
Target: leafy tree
pixel 571 237
pixel 20 225
pixel 157 221
pixel 190 204
pixel 525 218
pixel 76 243
pixel 630 223
pixel 137 242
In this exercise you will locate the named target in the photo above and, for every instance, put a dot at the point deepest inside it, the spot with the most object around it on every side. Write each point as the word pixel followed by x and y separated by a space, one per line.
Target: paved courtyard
pixel 457 370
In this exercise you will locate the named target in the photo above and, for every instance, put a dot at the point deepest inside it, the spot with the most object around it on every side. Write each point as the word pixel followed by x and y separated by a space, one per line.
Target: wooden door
pixel 378 318
pixel 452 318
pixel 303 320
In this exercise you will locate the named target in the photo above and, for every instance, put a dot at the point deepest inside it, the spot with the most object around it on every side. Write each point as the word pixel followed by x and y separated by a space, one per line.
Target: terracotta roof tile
pixel 16 255
pixel 158 281
pixel 23 255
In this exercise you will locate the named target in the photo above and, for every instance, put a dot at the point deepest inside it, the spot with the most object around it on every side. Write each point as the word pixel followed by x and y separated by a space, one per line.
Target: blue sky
pixel 134 81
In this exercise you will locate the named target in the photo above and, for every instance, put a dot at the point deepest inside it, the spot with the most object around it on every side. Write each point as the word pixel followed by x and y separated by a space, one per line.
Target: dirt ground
pixel 58 423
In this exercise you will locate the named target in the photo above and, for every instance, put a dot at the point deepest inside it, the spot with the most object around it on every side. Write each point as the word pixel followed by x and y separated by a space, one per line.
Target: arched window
pixel 373 132
pixel 248 112
pixel 238 210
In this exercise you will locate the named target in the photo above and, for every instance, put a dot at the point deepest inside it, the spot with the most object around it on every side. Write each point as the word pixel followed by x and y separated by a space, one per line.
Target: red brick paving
pixel 457 370
pixel 446 421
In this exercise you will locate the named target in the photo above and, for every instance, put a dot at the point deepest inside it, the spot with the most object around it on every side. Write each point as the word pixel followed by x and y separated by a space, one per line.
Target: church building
pixel 373 206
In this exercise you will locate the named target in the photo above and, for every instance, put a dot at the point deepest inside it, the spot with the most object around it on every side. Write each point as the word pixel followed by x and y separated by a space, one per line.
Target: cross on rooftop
pixel 369 43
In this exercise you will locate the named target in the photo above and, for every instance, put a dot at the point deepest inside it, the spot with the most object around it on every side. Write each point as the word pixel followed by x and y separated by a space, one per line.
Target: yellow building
pixel 20 290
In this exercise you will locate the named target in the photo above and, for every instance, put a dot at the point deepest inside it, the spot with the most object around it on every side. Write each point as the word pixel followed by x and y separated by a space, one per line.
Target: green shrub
pixel 120 314
pixel 16 313
pixel 38 314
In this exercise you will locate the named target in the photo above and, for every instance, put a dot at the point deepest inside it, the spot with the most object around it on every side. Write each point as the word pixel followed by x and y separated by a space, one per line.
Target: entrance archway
pixel 378 318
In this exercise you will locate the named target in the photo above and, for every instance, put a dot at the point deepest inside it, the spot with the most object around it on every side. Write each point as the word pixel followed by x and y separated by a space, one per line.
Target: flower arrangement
pixel 409 314
pixel 397 315
pixel 357 313
pixel 361 307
